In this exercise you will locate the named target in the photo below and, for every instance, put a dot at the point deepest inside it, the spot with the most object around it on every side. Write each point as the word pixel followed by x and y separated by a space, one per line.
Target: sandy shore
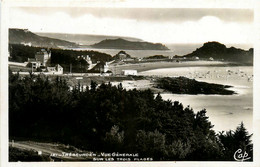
pixel 145 66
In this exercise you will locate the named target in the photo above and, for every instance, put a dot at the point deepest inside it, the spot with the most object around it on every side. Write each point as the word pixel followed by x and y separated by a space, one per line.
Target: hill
pixel 128 45
pixel 84 39
pixel 219 51
pixel 26 37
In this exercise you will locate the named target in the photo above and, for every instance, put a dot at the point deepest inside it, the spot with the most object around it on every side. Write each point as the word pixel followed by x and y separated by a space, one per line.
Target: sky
pixel 164 25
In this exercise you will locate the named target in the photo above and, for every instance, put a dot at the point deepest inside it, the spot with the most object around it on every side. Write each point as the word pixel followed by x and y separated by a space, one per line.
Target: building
pixel 33 64
pixel 41 63
pixel 129 72
pixel 59 69
pixel 43 57
pixel 51 70
pixel 100 67
pixel 55 70
pixel 86 58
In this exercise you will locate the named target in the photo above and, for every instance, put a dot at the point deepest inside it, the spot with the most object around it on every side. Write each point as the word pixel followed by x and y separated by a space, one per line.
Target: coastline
pixel 146 66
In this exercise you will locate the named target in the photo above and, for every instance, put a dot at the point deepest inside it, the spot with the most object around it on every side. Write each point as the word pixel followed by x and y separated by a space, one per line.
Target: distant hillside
pixel 218 51
pixel 25 37
pixel 84 39
pixel 128 45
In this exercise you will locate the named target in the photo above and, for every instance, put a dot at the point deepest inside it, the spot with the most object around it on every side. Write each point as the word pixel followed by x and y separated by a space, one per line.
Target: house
pixel 55 70
pixel 51 69
pixel 129 72
pixel 42 61
pixel 43 57
pixel 86 58
pixel 100 67
pixel 33 63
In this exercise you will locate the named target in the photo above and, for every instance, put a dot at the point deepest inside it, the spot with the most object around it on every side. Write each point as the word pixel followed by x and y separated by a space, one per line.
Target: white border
pixel 6 4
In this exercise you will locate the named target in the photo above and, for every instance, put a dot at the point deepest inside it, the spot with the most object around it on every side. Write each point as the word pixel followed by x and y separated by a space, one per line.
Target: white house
pixel 129 72
pixel 33 63
pixel 55 70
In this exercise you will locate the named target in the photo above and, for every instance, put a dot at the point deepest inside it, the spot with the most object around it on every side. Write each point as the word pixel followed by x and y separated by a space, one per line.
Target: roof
pixel 58 66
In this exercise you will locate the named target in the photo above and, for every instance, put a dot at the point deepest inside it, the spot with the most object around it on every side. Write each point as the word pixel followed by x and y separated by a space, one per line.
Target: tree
pixel 110 118
pixel 235 140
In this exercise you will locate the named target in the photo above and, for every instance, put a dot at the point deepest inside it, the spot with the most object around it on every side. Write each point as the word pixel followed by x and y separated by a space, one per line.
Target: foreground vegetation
pixel 16 154
pixel 109 118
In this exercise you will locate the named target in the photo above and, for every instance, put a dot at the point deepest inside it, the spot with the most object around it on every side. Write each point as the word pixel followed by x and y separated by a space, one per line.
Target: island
pixel 128 45
pixel 183 85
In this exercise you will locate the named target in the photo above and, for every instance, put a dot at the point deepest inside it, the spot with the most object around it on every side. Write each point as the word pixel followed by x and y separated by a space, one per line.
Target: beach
pixel 145 66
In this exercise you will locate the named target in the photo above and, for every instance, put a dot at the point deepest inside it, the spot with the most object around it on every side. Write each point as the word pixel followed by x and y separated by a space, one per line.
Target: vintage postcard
pixel 123 83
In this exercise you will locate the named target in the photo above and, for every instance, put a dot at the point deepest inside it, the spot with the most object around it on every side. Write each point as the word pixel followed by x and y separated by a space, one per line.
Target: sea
pixel 225 112
pixel 174 49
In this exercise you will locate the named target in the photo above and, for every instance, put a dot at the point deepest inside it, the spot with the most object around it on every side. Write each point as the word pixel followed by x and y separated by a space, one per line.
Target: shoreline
pixel 143 66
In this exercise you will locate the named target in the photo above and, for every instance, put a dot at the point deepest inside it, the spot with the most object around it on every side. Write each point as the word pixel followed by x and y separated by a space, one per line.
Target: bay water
pixel 224 111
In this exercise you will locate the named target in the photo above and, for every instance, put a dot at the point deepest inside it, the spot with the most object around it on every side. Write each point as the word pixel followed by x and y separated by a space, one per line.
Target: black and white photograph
pixel 138 83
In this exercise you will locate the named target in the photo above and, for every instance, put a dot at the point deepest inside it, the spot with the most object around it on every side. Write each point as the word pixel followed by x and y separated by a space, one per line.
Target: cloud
pixel 149 14
pixel 206 28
